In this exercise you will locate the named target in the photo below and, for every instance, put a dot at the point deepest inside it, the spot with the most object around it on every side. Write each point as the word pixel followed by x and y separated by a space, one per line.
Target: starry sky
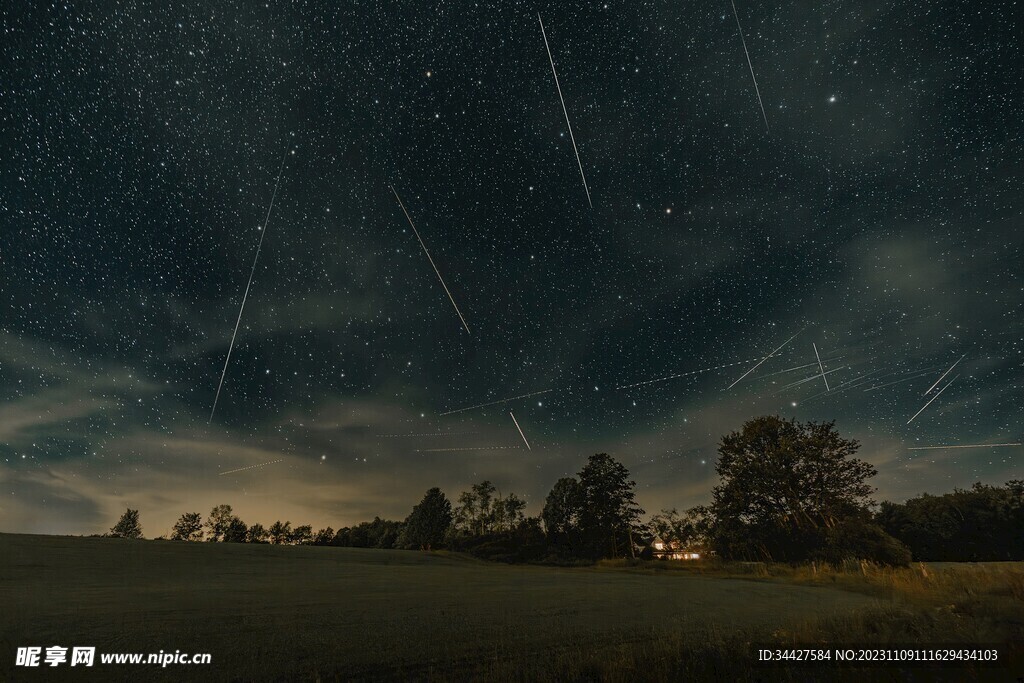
pixel 876 217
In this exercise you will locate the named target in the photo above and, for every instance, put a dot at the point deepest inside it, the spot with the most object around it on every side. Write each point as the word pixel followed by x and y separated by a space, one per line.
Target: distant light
pixel 429 74
pixel 832 99
pixel 668 210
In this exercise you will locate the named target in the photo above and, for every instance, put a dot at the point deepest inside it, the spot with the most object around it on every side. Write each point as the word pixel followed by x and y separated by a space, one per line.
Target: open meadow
pixel 322 613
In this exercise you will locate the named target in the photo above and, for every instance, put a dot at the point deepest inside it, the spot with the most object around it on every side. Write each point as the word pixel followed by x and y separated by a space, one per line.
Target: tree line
pixel 788 492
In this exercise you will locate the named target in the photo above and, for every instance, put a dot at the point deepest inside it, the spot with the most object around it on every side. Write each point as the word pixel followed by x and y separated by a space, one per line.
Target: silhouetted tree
pixel 128 526
pixel 982 523
pixel 359 535
pixel 428 522
pixel 301 535
pixel 475 514
pixel 218 522
pixel 382 533
pixel 323 536
pixel 343 538
pixel 256 534
pixel 562 508
pixel 280 532
pixel 784 486
pixel 236 531
pixel 668 526
pixel 508 513
pixel 858 536
pixel 608 514
pixel 481 512
pixel 189 527
pixel 689 530
pixel 464 515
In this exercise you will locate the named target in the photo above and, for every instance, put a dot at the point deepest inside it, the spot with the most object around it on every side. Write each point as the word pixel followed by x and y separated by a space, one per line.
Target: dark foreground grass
pixel 307 613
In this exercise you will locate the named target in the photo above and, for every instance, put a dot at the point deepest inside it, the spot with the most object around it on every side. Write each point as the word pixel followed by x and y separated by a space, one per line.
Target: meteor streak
pixel 805 380
pixel 564 110
pixel 973 445
pixel 920 373
pixel 494 403
pixel 240 469
pixel 429 258
pixel 798 367
pixel 847 385
pixel 944 375
pixel 245 296
pixel 470 448
pixel 398 436
pixel 682 374
pixel 763 360
pixel 820 366
pixel 520 431
pixel 937 394
pixel 746 52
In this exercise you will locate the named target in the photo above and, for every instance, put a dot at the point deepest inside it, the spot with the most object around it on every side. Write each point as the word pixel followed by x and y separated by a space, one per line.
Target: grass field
pixel 309 613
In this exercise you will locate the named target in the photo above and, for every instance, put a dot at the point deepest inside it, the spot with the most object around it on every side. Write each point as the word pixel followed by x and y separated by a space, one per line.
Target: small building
pixel 673 550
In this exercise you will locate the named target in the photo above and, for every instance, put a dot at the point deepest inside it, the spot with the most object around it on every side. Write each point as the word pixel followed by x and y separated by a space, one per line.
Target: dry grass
pixel 938 603
pixel 306 613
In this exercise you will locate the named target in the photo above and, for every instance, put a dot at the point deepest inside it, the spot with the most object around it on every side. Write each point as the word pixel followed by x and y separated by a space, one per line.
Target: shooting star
pixel 808 379
pixel 399 436
pixel 520 431
pixel 240 469
pixel 919 373
pixel 798 367
pixel 763 360
pixel 245 296
pixel 470 448
pixel 847 385
pixel 937 394
pixel 682 374
pixel 820 366
pixel 973 445
pixel 494 403
pixel 429 258
pixel 564 110
pixel 944 375
pixel 746 52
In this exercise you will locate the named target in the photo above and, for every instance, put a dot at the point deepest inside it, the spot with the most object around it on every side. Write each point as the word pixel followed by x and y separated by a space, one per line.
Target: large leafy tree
pixel 483 510
pixel 689 529
pixel 608 513
pixel 128 526
pixel 428 522
pixel 380 533
pixel 982 523
pixel 562 508
pixel 508 513
pixel 219 523
pixel 189 527
pixel 475 513
pixel 256 534
pixel 280 532
pixel 301 535
pixel 784 484
pixel 237 531
pixel 323 536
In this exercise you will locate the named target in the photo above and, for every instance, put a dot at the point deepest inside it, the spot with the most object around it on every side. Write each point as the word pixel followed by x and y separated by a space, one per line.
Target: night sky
pixel 877 219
